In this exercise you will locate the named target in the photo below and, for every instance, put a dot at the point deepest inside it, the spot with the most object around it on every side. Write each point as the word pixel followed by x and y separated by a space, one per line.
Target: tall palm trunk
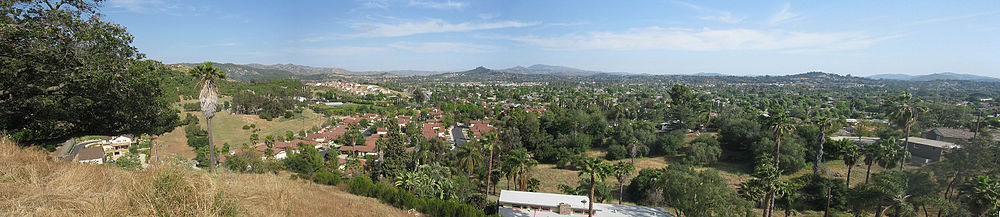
pixel 590 202
pixel 769 209
pixel 849 168
pixel 869 172
pixel 768 199
pixel 211 147
pixel 906 142
pixel 489 173
pixel 819 152
pixel 621 191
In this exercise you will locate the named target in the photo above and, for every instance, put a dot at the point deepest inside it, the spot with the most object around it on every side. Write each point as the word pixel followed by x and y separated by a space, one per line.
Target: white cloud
pixel 567 24
pixel 724 17
pixel 373 4
pixel 429 26
pixel 438 5
pixel 340 51
pixel 153 6
pixel 952 18
pixel 715 15
pixel 783 16
pixel 487 16
pixel 657 38
pixel 442 47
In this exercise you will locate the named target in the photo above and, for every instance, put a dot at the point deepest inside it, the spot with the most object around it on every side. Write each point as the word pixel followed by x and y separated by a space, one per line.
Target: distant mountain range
pixel 261 72
pixel 540 69
pixel 935 76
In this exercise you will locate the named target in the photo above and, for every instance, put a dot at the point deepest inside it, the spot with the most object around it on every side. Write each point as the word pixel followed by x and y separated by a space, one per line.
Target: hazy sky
pixel 659 37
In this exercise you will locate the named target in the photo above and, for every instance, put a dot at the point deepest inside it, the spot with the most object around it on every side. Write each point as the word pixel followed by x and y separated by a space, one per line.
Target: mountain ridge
pixel 935 76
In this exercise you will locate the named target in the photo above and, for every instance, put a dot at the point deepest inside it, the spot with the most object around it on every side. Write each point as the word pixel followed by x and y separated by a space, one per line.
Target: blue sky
pixel 657 37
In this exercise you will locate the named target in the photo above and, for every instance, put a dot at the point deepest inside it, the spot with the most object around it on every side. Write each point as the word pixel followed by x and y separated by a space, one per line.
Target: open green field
pixel 228 128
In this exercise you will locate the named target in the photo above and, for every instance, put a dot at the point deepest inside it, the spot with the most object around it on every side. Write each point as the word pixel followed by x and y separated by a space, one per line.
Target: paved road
pixel 76 150
pixel 458 132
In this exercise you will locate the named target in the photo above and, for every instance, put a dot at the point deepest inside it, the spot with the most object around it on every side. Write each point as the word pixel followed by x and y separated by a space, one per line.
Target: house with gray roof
pixel 948 134
pixel 927 150
pixel 536 204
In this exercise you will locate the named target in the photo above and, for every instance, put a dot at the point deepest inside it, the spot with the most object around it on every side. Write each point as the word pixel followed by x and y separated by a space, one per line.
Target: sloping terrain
pixel 32 184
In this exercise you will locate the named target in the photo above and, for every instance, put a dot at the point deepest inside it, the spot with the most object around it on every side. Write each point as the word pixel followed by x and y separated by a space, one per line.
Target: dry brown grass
pixel 32 184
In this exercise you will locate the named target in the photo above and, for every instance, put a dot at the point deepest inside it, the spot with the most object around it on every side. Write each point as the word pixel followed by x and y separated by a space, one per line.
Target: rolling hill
pixel 935 77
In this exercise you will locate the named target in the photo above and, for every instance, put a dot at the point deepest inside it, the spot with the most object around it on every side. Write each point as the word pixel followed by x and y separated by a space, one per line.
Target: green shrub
pixel 616 152
pixel 327 178
pixel 700 153
pixel 194 106
pixel 399 198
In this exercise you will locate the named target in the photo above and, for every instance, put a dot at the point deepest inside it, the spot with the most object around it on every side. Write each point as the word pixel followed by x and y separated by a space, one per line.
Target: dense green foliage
pixel 399 198
pixel 67 73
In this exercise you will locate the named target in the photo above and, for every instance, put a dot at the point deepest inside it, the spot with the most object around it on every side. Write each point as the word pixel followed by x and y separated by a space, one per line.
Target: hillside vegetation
pixel 31 184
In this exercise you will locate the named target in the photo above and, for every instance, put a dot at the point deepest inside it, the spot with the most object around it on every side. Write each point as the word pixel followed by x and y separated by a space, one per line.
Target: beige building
pixel 116 147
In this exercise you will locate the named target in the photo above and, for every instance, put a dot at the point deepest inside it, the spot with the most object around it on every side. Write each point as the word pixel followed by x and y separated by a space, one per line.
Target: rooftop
pixel 576 202
pixel 543 199
pixel 952 132
pixel 933 143
pixel 91 153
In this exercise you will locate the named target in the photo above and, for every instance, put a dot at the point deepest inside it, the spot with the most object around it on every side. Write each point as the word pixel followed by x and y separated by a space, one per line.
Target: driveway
pixel 458 133
pixel 76 150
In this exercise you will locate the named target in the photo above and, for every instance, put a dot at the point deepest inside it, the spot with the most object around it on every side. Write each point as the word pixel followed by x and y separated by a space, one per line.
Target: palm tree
pixel 824 124
pixel 780 124
pixel 469 157
pixel 877 152
pixel 209 97
pixel 851 154
pixel 489 144
pixel 622 170
pixel 902 111
pixel 982 194
pixel 595 168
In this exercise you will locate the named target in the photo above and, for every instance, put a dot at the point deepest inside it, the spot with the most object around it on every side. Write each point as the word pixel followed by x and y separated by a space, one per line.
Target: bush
pixel 616 152
pixel 669 143
pixel 194 106
pixel 702 154
pixel 398 198
pixel 327 178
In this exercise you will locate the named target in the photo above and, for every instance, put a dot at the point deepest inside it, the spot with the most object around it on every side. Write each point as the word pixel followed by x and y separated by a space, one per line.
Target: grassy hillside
pixel 228 128
pixel 32 184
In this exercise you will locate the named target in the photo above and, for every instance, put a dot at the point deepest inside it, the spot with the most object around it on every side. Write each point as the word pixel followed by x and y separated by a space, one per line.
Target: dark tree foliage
pixel 68 73
pixel 306 161
pixel 701 153
pixel 616 152
pixel 399 198
pixel 644 188
pixel 812 195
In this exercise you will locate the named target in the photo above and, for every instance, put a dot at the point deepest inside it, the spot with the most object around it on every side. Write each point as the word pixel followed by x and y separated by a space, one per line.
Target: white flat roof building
pixel 535 204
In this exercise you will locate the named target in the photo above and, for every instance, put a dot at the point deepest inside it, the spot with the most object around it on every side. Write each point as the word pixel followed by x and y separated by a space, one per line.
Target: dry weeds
pixel 32 184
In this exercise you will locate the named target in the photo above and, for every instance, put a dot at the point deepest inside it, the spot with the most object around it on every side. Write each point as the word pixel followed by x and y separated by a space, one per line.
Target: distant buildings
pixel 355 88
pixel 520 203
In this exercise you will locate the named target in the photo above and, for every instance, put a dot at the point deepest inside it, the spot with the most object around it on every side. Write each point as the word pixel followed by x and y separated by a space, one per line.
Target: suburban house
pixel 433 130
pixel 369 148
pixel 927 150
pixel 93 155
pixel 948 134
pixel 479 128
pixel 521 203
pixel 116 147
